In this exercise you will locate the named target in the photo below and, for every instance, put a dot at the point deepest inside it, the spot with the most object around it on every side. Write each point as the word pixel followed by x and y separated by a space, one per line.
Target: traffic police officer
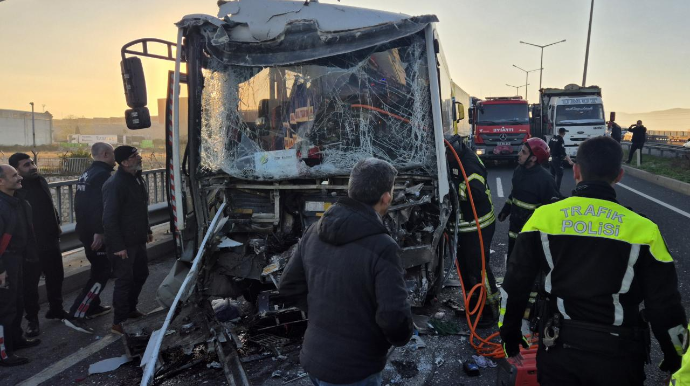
pixel 558 154
pixel 469 247
pixel 532 187
pixel 599 261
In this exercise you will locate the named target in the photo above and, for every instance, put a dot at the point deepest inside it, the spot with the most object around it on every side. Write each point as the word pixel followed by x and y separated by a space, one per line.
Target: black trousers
pixel 89 297
pixel 568 367
pixel 50 264
pixel 470 257
pixel 633 147
pixel 130 276
pixel 556 166
pixel 11 304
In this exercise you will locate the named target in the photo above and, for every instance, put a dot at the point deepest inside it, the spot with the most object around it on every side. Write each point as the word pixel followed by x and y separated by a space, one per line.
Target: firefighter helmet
pixel 538 148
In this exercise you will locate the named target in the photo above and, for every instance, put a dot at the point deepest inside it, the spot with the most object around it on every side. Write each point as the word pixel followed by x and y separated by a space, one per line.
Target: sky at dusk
pixel 66 54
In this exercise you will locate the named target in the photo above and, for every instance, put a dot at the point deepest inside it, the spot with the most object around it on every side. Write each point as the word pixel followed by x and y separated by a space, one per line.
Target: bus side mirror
pixel 459 112
pixel 138 116
pixel 470 119
pixel 134 82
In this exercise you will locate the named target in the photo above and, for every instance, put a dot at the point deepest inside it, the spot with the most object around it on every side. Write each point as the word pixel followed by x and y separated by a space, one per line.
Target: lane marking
pixel 499 187
pixel 673 208
pixel 64 364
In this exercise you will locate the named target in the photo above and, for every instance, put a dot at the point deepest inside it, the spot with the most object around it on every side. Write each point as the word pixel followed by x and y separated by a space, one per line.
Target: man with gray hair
pixel 347 274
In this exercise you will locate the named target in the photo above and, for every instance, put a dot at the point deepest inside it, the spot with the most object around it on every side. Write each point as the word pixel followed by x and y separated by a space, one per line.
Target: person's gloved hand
pixel 670 363
pixel 512 343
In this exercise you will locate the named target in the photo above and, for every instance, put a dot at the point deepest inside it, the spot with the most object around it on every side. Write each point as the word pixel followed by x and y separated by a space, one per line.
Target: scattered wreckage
pixel 283 98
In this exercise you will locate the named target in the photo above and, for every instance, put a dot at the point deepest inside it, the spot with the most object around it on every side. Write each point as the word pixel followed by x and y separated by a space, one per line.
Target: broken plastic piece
pixel 227 242
pixel 107 365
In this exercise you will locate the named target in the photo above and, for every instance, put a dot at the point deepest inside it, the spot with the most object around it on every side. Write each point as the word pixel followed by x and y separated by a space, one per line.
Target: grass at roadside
pixel 676 168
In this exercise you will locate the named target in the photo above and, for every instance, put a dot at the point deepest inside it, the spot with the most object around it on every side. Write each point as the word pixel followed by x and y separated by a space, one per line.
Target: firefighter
pixel 533 186
pixel 469 247
pixel 598 261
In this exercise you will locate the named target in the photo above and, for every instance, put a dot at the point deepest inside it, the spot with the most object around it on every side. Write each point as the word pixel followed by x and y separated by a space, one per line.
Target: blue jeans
pixel 372 380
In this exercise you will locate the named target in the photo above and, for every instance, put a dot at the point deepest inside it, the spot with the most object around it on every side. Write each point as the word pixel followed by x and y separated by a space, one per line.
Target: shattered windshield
pixel 319 118
pixel 580 114
pixel 502 114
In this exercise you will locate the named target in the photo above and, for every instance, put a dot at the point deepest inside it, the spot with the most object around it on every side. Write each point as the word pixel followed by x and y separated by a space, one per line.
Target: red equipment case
pixel 520 370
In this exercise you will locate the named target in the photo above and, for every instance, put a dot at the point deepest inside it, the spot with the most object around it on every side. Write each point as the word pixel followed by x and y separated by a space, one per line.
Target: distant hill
pixel 665 120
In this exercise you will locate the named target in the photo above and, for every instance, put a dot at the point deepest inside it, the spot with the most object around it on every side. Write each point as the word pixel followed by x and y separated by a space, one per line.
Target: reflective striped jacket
pixel 599 261
pixel 532 188
pixel 481 193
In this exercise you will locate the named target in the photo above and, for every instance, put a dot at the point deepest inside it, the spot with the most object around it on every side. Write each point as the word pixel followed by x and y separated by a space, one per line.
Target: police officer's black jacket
pixel 532 188
pixel 16 229
pixel 125 211
pixel 347 271
pixel 557 147
pixel 481 193
pixel 599 261
pixel 88 201
pixel 639 134
pixel 45 217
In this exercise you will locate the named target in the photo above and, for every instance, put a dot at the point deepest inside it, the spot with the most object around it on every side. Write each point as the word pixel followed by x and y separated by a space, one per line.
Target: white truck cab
pixel 580 110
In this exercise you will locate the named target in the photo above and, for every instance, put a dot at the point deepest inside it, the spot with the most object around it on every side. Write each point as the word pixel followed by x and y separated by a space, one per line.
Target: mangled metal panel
pixel 319 118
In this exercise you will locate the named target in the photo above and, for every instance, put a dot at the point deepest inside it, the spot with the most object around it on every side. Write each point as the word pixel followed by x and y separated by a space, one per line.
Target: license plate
pixel 503 144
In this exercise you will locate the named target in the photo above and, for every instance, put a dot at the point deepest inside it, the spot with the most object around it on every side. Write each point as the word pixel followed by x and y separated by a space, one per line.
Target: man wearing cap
pixel 127 230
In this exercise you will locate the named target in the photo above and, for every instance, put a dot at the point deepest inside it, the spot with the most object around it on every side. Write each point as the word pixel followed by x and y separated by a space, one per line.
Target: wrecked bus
pixel 284 97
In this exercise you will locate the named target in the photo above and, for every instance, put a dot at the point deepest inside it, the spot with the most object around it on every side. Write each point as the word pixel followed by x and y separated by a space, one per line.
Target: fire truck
pixel 500 125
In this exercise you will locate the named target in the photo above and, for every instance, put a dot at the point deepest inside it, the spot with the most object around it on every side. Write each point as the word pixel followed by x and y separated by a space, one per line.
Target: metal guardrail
pixel 63 197
pixel 677 151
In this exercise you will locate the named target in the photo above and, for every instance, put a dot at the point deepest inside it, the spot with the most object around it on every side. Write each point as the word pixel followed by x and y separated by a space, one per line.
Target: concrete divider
pixel 665 182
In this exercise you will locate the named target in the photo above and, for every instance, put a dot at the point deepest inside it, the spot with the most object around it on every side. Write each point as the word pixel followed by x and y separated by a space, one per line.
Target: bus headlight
pixel 481 151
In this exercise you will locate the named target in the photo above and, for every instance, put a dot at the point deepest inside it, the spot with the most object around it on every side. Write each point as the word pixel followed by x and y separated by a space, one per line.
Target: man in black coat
pixel 347 274
pixel 47 229
pixel 126 226
pixel 558 154
pixel 16 240
pixel 88 208
pixel 638 139
pixel 616 133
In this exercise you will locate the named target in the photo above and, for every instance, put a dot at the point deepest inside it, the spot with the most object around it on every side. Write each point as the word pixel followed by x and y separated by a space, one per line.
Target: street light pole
pixel 541 63
pixel 541 66
pixel 33 132
pixel 526 77
pixel 516 88
pixel 589 33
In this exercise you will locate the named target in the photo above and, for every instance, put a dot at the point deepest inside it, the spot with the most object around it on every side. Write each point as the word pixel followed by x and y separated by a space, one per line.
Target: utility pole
pixel 526 77
pixel 33 133
pixel 589 33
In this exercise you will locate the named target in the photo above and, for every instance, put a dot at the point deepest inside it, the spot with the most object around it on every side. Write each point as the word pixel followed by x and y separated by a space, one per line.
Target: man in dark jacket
pixel 598 261
pixel 616 133
pixel 558 154
pixel 469 246
pixel 16 239
pixel 347 274
pixel 47 229
pixel 88 207
pixel 533 186
pixel 638 139
pixel 126 226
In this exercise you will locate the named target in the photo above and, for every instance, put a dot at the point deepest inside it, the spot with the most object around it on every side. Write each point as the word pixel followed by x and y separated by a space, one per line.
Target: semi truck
pixel 580 110
pixel 500 125
pixel 284 98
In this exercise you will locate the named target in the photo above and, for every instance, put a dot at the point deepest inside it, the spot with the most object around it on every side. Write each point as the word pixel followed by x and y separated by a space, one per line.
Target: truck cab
pixel 580 110
pixel 500 125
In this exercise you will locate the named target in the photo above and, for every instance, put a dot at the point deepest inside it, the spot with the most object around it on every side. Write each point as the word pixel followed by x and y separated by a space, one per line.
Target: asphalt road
pixel 436 364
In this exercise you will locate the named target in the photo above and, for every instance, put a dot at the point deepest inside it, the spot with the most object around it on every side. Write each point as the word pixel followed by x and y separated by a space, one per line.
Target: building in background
pixel 15 128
